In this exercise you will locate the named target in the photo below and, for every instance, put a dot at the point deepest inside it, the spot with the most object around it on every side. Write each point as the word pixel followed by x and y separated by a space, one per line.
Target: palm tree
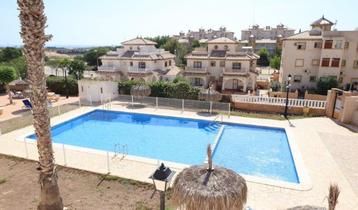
pixel 33 23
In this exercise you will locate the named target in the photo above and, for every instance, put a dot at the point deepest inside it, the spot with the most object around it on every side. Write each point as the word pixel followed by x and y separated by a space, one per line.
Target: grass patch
pixel 2 180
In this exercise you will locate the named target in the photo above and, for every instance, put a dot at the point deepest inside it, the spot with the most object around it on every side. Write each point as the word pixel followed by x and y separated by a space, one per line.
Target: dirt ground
pixel 15 109
pixel 19 189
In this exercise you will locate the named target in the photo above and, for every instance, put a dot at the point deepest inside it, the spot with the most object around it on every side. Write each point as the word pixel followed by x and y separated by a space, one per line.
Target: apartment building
pixel 320 52
pixel 202 34
pixel 267 32
pixel 138 59
pixel 222 64
pixel 268 37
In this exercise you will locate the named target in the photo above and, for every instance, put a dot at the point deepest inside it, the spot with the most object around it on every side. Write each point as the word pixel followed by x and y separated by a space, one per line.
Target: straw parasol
pixel 140 90
pixel 209 95
pixel 18 85
pixel 208 188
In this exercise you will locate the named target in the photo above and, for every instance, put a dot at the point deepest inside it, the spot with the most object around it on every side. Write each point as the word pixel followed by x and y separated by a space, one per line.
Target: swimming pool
pixel 251 150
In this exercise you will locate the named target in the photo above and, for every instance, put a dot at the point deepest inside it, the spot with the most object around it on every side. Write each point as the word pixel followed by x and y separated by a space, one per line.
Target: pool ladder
pixel 120 149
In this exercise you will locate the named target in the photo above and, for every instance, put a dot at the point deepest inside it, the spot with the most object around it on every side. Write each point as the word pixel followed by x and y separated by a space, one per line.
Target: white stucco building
pixel 203 34
pixel 222 64
pixel 138 59
pixel 320 52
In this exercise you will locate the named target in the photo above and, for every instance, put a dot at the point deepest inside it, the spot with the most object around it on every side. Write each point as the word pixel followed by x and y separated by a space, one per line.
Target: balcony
pixel 230 71
pixel 196 70
pixel 108 68
pixel 138 70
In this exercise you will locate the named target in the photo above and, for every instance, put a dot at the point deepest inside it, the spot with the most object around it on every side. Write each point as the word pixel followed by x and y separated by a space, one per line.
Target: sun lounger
pixel 27 104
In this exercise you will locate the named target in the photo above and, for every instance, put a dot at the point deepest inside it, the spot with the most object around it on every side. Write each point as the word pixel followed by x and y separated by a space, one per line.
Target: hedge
pixel 180 89
pixel 57 85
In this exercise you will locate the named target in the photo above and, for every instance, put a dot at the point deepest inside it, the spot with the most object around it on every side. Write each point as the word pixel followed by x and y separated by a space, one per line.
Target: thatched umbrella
pixel 18 85
pixel 140 90
pixel 209 95
pixel 208 188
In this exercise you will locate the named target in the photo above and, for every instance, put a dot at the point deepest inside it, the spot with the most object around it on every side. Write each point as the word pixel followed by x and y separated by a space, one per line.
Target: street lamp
pixel 161 180
pixel 287 92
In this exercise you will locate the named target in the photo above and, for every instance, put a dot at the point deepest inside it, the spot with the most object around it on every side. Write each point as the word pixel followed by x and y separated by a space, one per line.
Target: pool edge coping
pixel 304 184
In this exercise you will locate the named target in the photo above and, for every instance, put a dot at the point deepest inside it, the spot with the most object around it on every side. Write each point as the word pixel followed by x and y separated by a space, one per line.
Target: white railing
pixel 279 101
pixel 108 68
pixel 191 69
pixel 236 71
pixel 138 70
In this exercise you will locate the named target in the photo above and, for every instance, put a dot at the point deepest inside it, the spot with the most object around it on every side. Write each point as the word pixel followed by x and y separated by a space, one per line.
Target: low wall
pixel 283 94
pixel 350 108
pixel 276 109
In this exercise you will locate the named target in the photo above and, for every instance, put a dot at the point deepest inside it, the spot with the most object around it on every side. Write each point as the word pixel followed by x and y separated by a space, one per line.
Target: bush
pixel 58 85
pixel 125 86
pixel 181 89
pixel 326 83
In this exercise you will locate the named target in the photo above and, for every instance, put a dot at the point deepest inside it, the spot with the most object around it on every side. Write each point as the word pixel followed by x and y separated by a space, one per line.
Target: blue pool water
pixel 258 151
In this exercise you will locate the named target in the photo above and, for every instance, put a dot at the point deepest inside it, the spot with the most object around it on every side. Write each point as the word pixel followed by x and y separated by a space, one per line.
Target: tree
pixel 7 75
pixel 326 83
pixel 264 57
pixel 76 68
pixel 160 40
pixel 33 23
pixel 9 53
pixel 195 43
pixel 65 66
pixel 275 62
pixel 92 56
pixel 20 66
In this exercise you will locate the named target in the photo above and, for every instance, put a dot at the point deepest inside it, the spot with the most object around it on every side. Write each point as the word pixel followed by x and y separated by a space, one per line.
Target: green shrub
pixel 2 180
pixel 158 89
pixel 58 85
pixel 125 86
pixel 326 83
pixel 181 89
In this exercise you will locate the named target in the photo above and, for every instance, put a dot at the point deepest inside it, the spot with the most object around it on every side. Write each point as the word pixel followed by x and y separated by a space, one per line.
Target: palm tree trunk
pixel 9 93
pixel 33 23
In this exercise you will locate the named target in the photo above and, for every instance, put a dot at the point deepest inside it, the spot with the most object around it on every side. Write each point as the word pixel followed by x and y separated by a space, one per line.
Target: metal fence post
pixel 101 99
pixel 132 100
pixel 156 103
pixel 182 105
pixel 211 107
pixel 26 149
pixel 64 155
pixel 108 169
pixel 90 100
pixel 58 110
pixel 79 102
pixel 229 111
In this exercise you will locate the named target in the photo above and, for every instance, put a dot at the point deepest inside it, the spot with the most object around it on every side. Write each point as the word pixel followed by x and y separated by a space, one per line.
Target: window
pixel 338 44
pixel 101 90
pixel 325 62
pixel 82 89
pixel 328 44
pixel 141 65
pixel 170 62
pixel 346 45
pixel 335 62
pixel 236 65
pixel 312 79
pixel 226 47
pixel 318 45
pixel 315 62
pixel 131 63
pixel 355 64
pixel 166 64
pixel 297 78
pixel 299 63
pixel 215 47
pixel 300 45
pixel 222 63
pixel 197 64
pixel 343 64
pixel 212 63
pixel 198 81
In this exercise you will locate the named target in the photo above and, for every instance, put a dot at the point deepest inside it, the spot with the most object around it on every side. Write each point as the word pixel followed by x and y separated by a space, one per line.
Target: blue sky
pixel 109 22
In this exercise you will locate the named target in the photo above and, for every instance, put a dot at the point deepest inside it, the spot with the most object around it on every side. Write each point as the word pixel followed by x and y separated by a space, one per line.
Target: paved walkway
pixel 344 150
pixel 318 161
